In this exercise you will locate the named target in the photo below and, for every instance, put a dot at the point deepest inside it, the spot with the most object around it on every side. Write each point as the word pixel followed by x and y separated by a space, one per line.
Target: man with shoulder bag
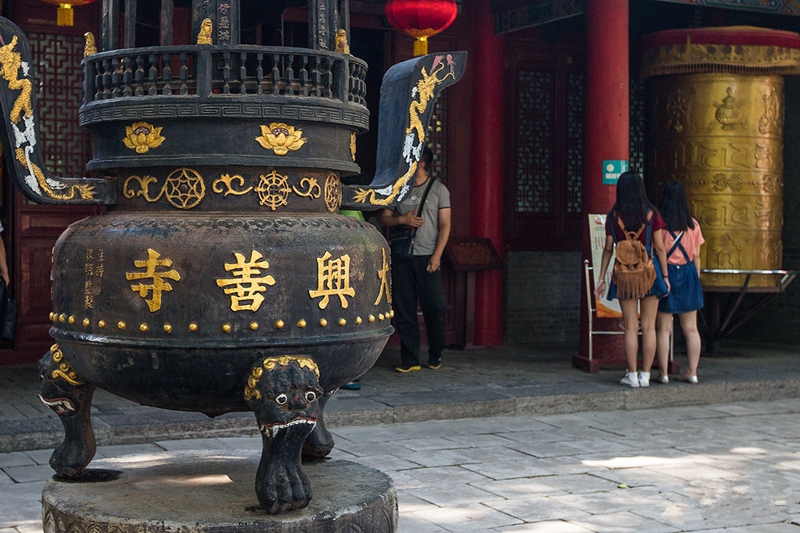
pixel 418 232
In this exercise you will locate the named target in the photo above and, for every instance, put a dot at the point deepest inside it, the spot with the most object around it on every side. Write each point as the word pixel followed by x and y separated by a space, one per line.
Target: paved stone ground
pixel 503 381
pixel 510 439
pixel 732 468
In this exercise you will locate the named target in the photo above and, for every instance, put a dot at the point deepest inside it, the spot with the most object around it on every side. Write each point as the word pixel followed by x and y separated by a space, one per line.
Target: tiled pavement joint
pixel 505 441
pixel 499 382
pixel 46 432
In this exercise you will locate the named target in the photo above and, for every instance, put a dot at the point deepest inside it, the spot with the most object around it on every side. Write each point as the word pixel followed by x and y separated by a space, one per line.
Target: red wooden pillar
pixel 607 97
pixel 486 201
pixel 607 126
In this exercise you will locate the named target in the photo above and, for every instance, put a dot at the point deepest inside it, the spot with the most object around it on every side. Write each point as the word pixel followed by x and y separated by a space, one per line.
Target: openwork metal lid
pixel 733 49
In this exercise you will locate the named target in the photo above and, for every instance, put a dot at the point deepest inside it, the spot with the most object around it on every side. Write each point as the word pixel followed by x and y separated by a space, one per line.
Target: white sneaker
pixel 631 380
pixel 663 378
pixel 644 379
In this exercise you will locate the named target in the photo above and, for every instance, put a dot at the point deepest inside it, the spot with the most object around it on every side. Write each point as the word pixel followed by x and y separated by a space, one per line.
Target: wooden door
pixel 35 229
pixel 545 174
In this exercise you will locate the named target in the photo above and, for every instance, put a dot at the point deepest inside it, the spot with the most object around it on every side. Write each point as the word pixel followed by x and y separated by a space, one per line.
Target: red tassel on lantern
pixel 421 19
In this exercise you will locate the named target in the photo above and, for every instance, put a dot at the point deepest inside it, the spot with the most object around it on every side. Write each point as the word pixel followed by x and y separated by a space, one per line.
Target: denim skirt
pixel 659 287
pixel 686 293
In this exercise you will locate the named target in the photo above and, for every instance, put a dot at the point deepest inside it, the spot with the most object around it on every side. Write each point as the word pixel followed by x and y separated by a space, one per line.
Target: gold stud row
pixel 226 327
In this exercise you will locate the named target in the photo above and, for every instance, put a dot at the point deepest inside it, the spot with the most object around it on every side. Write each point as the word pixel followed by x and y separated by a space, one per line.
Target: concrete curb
pixel 124 428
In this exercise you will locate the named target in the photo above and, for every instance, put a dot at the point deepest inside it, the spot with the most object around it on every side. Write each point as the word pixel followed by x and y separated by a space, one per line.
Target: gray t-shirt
pixel 438 198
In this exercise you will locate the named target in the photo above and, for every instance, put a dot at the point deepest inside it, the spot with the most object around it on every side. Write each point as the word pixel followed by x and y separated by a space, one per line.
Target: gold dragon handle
pixel 22 142
pixel 408 94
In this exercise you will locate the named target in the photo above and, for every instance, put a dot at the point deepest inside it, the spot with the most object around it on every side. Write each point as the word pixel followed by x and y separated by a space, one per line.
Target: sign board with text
pixel 612 170
pixel 597 236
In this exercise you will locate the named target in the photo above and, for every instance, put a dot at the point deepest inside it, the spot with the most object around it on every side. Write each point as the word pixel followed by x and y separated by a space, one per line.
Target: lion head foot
pixel 284 394
pixel 70 397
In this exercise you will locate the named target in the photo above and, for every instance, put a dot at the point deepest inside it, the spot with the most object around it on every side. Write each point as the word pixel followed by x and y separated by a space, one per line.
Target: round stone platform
pixel 213 491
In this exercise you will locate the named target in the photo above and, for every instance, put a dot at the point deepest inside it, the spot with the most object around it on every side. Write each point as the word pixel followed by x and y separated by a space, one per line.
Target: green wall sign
pixel 612 169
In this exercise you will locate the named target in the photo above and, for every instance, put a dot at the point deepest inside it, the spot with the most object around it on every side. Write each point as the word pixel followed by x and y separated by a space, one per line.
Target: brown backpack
pixel 634 272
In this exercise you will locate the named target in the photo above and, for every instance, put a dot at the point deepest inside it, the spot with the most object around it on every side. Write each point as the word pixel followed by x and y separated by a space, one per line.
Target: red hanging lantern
pixel 65 13
pixel 421 19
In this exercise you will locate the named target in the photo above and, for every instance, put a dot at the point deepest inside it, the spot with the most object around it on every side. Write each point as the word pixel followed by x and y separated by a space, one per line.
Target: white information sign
pixel 597 236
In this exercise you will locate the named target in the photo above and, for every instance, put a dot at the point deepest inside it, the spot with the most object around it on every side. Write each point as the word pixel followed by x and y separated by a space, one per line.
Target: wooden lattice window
pixel 638 123
pixel 59 93
pixel 535 133
pixel 575 125
pixel 436 137
pixel 546 144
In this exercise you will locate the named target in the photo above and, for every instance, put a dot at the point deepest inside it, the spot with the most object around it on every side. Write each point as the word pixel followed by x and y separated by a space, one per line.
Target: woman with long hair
pixel 682 240
pixel 634 214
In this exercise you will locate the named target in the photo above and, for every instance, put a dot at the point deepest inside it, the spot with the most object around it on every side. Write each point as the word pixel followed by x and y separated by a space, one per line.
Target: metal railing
pixel 209 71
pixel 726 319
pixel 786 276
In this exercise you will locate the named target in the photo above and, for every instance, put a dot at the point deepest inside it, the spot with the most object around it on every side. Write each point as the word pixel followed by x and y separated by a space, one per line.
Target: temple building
pixel 559 96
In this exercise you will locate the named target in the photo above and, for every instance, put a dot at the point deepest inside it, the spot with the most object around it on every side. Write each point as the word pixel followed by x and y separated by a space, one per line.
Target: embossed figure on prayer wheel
pixel 222 277
pixel 716 125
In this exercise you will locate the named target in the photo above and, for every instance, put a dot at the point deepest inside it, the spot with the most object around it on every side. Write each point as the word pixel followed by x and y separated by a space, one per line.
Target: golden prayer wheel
pixel 716 126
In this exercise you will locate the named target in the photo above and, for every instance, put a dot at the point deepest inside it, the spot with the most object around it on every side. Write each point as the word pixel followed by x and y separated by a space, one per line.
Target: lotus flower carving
pixel 141 136
pixel 280 138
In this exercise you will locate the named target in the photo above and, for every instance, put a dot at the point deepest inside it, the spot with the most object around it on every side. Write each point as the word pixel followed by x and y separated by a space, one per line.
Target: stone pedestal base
pixel 212 491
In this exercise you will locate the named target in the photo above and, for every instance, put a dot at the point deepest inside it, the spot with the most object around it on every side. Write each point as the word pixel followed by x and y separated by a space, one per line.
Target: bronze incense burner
pixel 221 277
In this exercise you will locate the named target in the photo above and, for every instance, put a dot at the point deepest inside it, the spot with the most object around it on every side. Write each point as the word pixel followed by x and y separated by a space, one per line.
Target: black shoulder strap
pixel 425 195
pixel 677 244
pixel 422 201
